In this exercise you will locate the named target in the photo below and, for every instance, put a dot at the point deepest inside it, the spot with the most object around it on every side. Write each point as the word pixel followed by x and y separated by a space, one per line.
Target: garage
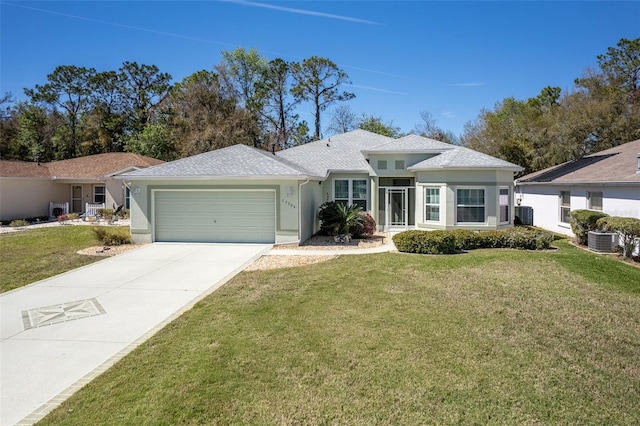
pixel 215 216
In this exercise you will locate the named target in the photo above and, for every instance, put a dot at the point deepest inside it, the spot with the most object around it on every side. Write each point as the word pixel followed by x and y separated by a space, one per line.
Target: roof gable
pixel 617 164
pixel 337 153
pixel 410 144
pixel 459 157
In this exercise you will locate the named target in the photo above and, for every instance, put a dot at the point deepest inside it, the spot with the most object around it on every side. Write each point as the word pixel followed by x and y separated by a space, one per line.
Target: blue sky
pixel 448 58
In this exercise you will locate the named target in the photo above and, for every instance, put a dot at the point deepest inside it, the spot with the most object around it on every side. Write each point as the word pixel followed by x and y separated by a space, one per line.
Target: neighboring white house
pixel 607 181
pixel 243 194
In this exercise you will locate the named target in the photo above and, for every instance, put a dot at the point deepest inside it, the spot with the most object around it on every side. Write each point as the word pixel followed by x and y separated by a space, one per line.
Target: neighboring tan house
pixel 607 181
pixel 243 194
pixel 29 190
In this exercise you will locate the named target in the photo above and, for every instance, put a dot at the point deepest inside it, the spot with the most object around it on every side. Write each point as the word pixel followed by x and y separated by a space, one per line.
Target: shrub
pixel 436 242
pixel 338 218
pixel 425 242
pixel 105 213
pixel 112 236
pixel 63 218
pixel 18 223
pixel 466 239
pixel 57 211
pixel 73 216
pixel 583 221
pixel 628 228
pixel 365 229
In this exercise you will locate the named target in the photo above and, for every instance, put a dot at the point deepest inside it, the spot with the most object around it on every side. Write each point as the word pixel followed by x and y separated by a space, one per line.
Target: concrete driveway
pixel 59 333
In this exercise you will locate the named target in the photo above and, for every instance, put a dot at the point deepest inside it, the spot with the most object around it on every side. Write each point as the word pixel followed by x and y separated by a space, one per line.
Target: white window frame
pixel 104 194
pixel 508 205
pixel 590 200
pixel 427 204
pixel 484 206
pixel 351 200
pixel 562 207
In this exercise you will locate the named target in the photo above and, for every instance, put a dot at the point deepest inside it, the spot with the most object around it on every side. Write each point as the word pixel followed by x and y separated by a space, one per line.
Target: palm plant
pixel 338 218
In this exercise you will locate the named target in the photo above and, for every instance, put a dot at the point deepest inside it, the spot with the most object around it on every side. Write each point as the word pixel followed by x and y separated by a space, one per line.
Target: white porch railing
pixel 63 206
pixel 91 209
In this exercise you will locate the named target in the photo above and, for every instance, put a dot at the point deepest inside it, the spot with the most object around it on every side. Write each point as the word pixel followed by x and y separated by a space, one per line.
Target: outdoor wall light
pixel 289 191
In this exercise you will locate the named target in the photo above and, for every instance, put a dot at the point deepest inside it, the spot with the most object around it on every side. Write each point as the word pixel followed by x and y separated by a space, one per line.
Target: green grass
pixel 36 254
pixel 487 337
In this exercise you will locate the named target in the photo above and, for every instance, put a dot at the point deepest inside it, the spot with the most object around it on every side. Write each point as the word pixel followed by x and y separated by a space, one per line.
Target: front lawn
pixel 486 337
pixel 35 254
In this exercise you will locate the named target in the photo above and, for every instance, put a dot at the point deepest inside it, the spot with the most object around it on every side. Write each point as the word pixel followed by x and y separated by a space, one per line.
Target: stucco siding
pixel 310 201
pixel 26 198
pixel 545 201
pixel 286 195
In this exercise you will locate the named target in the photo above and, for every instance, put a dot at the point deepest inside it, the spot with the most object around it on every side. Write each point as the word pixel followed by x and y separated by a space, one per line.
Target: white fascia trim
pixel 425 169
pixel 199 177
pixel 583 183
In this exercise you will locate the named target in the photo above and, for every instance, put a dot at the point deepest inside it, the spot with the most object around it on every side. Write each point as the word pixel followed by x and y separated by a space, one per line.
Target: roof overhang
pixel 407 151
pixel 580 183
pixel 435 168
pixel 216 178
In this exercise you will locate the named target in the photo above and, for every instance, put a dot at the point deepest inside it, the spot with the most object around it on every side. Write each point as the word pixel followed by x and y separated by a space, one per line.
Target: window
pixel 99 194
pixel 565 206
pixel 351 191
pixel 399 164
pixel 382 164
pixel 470 206
pixel 595 200
pixel 127 198
pixel 503 201
pixel 432 204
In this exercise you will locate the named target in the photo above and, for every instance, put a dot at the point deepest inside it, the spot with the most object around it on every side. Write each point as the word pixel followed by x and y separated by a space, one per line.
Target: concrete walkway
pixel 58 334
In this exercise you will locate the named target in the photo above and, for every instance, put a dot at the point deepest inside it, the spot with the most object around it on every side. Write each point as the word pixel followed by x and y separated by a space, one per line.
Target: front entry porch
pixel 396 204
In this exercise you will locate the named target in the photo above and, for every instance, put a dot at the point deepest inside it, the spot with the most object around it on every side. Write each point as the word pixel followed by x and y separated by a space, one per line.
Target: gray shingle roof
pixel 233 161
pixel 463 158
pixel 617 164
pixel 410 143
pixel 337 153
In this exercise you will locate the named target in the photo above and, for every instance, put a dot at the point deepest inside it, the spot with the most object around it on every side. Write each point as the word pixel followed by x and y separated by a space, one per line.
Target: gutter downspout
pixel 300 209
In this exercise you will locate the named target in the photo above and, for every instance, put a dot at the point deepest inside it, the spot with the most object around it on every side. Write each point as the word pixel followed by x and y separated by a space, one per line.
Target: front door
pixel 396 214
pixel 76 198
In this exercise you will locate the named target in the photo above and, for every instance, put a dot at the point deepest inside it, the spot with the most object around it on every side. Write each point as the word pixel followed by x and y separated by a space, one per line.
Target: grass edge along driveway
pixel 487 337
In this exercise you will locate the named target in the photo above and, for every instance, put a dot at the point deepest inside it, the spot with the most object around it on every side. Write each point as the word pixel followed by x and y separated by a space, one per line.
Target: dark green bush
pixel 583 221
pixel 113 236
pixel 466 239
pixel 338 218
pixel 447 242
pixel 425 242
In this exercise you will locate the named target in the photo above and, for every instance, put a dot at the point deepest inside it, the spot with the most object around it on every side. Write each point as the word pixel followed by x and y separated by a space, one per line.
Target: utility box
pixel 602 242
pixel 525 214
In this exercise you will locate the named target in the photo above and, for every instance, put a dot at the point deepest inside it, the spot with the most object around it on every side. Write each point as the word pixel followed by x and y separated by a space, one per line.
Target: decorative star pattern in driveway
pixel 70 311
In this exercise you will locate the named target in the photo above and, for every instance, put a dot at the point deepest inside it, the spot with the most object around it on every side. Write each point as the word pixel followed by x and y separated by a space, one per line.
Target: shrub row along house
pixel 607 181
pixel 243 194
pixel 34 190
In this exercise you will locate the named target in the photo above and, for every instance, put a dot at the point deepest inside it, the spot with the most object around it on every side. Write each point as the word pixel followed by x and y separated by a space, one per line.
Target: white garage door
pixel 215 216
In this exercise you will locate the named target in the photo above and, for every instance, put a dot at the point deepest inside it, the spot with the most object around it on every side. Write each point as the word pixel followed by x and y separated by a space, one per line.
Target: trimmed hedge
pixel 583 221
pixel 448 242
pixel 425 242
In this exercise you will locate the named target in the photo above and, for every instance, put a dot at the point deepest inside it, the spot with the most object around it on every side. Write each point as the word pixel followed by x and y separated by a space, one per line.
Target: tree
pixel 34 137
pixel 106 123
pixel 240 72
pixel 143 88
pixel 154 141
pixel 429 129
pixel 318 80
pixel 343 120
pixel 68 88
pixel 8 125
pixel 202 119
pixel 375 125
pixel 277 117
pixel 623 65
